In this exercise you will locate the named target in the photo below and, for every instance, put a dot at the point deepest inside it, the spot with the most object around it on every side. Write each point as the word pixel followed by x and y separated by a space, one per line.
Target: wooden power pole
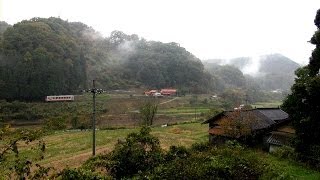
pixel 94 91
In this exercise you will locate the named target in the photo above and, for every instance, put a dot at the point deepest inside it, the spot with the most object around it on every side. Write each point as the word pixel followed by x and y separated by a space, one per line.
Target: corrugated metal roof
pixel 280 139
pixel 273 114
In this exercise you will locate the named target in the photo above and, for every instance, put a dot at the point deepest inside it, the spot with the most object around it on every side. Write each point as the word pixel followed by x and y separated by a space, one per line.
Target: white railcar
pixel 59 98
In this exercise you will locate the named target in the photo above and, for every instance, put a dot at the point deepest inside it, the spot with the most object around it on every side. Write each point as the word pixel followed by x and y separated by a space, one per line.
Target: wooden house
pixel 269 126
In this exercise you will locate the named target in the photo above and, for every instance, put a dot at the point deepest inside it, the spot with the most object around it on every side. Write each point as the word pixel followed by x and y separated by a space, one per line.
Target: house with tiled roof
pixel 270 126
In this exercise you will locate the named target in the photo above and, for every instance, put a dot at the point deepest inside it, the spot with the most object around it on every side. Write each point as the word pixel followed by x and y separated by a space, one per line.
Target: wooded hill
pixel 50 56
pixel 42 57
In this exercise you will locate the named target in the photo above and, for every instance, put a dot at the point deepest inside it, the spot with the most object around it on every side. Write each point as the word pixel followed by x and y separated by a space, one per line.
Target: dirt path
pixel 169 100
pixel 75 160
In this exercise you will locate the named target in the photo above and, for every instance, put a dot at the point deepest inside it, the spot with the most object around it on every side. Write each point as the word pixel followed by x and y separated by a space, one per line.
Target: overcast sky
pixel 206 28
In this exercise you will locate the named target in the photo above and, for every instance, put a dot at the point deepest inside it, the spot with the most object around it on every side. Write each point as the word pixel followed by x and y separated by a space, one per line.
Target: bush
pixel 80 174
pixel 75 122
pixel 176 152
pixel 55 124
pixel 285 152
pixel 193 167
pixel 140 157
pixel 140 152
pixel 201 147
pixel 99 161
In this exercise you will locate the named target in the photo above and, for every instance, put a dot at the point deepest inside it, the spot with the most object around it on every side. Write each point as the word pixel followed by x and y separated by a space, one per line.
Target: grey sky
pixel 206 28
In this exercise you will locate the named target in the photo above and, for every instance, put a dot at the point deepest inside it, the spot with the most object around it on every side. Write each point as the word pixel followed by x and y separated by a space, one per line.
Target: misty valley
pixel 149 109
pixel 41 57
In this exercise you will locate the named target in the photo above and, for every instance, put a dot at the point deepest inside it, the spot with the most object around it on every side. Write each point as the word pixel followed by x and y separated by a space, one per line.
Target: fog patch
pixel 253 67
pixel 223 62
pixel 91 34
pixel 127 46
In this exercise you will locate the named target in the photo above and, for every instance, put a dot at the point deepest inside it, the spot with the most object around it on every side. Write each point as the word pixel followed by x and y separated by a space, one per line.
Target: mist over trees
pixel 51 56
pixel 269 72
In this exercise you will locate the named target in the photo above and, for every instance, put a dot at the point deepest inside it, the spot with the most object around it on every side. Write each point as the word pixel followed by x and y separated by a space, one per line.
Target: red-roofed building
pixel 151 92
pixel 168 92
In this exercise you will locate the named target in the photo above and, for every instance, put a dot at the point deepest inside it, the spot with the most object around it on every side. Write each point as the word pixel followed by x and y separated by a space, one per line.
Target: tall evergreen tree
pixel 303 104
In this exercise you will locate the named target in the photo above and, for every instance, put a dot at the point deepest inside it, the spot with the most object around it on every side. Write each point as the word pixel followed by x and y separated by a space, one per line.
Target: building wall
pixel 273 148
pixel 217 140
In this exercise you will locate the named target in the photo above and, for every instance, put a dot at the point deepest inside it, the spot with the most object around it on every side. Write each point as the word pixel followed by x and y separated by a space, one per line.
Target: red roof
pixel 168 91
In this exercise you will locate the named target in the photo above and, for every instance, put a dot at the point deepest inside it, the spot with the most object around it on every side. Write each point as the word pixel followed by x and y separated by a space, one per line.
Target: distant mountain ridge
pixel 271 63
pixel 276 63
pixel 272 71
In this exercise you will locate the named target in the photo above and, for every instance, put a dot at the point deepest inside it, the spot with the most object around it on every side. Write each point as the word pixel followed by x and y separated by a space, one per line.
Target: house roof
pixel 274 114
pixel 264 117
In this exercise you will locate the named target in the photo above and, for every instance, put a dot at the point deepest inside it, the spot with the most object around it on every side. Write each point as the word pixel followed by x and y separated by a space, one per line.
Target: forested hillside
pixel 51 56
pixel 40 57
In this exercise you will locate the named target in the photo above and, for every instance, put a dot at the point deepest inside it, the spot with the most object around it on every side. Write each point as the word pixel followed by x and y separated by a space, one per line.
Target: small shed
pixel 282 136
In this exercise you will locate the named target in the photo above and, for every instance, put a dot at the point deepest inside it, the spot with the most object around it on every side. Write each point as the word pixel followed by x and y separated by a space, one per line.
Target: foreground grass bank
pixel 73 148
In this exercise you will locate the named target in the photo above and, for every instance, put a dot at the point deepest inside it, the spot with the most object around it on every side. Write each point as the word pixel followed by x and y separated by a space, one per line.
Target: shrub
pixel 80 174
pixel 11 163
pixel 140 152
pixel 99 161
pixel 140 157
pixel 55 124
pixel 177 152
pixel 204 146
pixel 75 122
pixel 285 152
pixel 204 162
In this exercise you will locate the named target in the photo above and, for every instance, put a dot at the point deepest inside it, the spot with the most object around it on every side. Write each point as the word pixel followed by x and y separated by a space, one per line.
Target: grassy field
pixel 112 110
pixel 274 104
pixel 71 148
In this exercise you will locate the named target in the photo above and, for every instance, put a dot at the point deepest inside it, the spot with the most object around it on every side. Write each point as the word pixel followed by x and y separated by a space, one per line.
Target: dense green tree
pixel 41 57
pixel 303 104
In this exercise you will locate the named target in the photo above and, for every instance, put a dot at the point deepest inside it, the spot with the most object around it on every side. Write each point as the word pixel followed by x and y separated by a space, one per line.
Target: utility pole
pixel 94 91
pixel 247 99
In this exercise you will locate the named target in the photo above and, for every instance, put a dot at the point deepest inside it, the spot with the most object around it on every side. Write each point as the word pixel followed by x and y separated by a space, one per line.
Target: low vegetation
pixel 174 151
